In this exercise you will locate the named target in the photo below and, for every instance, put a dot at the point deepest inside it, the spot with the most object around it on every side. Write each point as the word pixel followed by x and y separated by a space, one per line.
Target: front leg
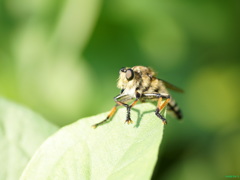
pixel 160 106
pixel 113 110
pixel 128 117
pixel 111 113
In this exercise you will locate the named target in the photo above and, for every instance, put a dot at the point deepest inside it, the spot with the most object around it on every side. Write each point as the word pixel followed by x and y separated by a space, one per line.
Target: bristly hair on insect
pixel 139 83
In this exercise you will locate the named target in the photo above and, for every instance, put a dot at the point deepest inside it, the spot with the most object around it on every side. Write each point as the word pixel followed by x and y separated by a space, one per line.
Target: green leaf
pixel 114 150
pixel 21 133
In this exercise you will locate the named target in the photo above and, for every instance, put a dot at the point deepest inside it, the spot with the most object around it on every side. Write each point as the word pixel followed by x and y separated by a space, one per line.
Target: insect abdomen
pixel 172 106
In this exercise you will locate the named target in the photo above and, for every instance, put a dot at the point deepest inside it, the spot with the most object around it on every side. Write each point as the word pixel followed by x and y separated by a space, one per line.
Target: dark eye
pixel 122 69
pixel 129 74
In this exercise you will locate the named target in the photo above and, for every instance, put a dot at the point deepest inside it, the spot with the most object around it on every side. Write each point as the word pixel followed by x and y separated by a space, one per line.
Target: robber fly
pixel 139 83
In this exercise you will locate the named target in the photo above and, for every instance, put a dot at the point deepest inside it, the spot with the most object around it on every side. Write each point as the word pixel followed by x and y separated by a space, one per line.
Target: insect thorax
pixel 144 81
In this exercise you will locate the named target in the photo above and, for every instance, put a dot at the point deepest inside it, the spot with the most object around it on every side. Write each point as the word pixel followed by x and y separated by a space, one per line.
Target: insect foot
pixel 129 121
pixel 94 126
pixel 164 122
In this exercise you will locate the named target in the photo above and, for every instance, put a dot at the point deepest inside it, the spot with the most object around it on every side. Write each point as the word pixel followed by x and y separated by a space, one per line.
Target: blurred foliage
pixel 21 133
pixel 61 58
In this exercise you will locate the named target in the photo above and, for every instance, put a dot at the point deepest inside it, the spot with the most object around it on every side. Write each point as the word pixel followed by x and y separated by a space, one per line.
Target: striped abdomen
pixel 173 107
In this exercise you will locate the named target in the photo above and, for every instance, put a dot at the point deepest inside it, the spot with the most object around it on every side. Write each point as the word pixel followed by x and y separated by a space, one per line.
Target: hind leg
pixel 160 105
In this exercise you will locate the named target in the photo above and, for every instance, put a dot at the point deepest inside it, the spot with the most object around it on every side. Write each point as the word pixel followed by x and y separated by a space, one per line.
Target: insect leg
pixel 128 118
pixel 111 113
pixel 113 110
pixel 160 106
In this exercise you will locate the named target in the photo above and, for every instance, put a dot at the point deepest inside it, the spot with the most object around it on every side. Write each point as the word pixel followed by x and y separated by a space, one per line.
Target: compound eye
pixel 129 74
pixel 122 70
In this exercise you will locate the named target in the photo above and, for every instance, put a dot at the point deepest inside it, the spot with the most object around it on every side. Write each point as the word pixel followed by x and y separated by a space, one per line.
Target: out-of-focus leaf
pixel 45 53
pixel 114 150
pixel 21 133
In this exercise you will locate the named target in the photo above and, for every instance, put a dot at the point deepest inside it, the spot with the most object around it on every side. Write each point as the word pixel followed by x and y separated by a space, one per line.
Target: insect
pixel 140 83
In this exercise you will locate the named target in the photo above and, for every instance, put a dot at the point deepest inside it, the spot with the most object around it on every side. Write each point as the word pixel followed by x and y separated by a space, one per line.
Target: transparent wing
pixel 171 86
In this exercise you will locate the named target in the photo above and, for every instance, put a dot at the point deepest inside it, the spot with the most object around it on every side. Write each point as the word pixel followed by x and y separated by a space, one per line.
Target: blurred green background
pixel 61 59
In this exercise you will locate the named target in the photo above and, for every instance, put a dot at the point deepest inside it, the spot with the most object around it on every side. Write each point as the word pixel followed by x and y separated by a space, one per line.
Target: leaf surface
pixel 21 133
pixel 114 150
